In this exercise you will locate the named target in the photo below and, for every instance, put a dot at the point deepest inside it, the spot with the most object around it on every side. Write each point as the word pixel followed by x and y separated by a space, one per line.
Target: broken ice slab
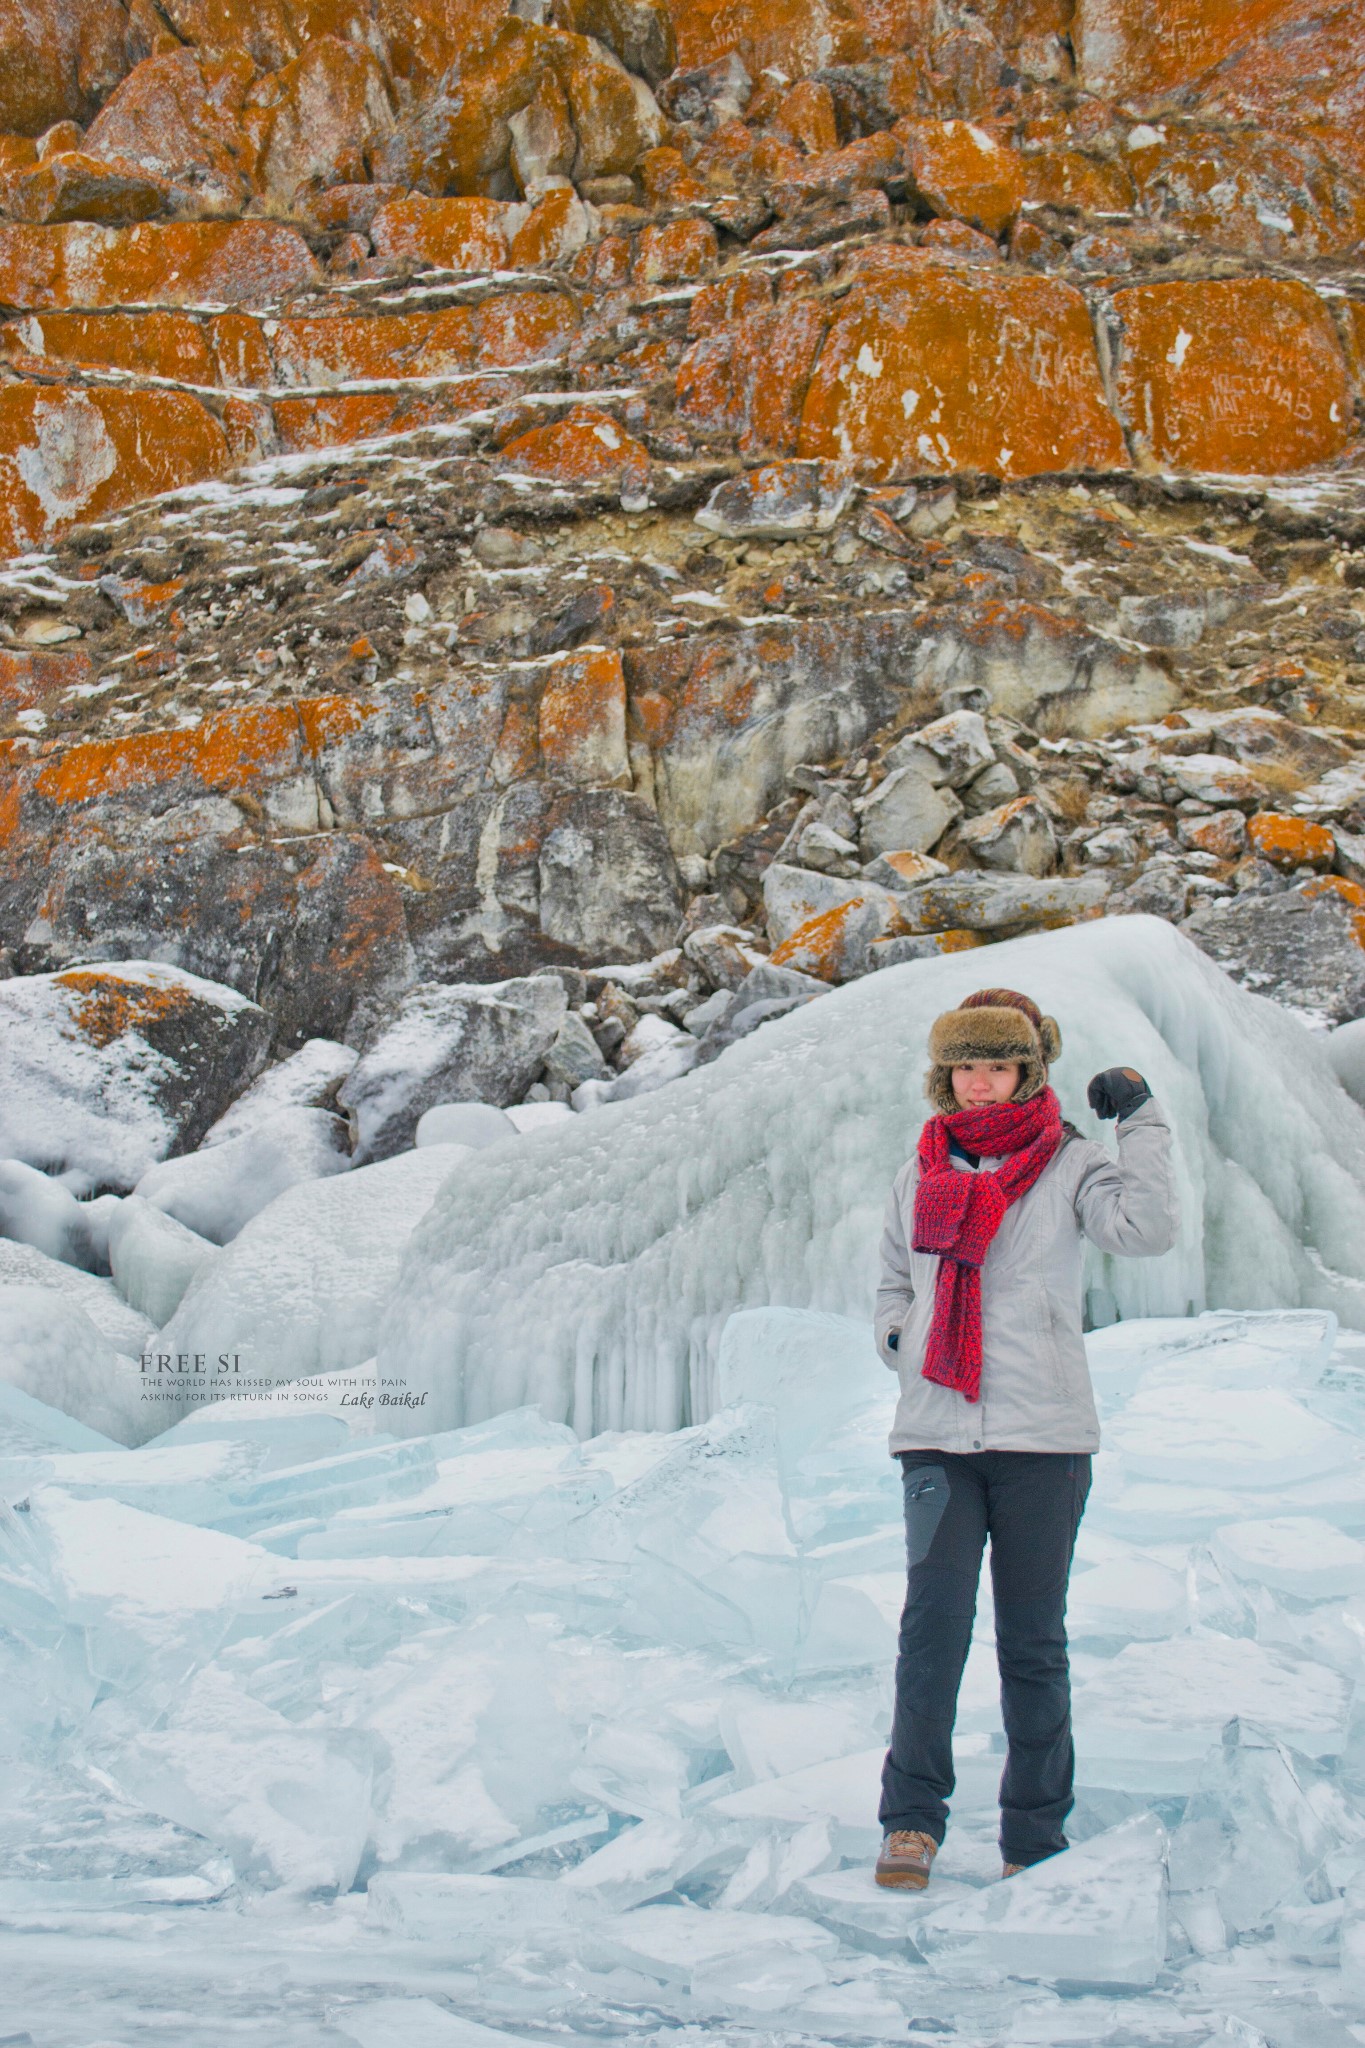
pixel 277 1437
pixel 1260 1820
pixel 647 1860
pixel 1145 1720
pixel 145 1582
pixel 812 1369
pixel 1096 1914
pixel 1311 1934
pixel 1298 1554
pixel 374 1472
pixel 413 2023
pixel 758 1961
pixel 1254 1438
pixel 854 1622
pixel 474 1917
pixel 25 1420
pixel 864 1916
pixel 515 1478
pixel 771 1737
pixel 1170 1511
pixel 1352 1943
pixel 24 1898
pixel 290 1805
pixel 843 1791
pixel 1134 1597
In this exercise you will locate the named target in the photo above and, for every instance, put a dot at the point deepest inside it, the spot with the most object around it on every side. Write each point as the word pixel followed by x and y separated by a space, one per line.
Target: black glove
pixel 1118 1091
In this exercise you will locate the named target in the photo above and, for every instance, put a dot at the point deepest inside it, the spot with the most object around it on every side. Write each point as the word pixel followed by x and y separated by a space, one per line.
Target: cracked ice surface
pixel 502 1736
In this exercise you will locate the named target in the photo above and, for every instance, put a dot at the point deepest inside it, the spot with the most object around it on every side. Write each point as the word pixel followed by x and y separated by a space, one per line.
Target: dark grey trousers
pixel 1030 1504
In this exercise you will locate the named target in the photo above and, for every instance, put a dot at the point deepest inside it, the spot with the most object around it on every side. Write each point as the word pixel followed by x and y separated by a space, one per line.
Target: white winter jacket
pixel 1035 1381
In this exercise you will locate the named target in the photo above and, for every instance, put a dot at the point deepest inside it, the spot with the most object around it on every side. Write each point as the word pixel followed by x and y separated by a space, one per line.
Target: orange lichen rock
pixel 555 229
pixel 668 180
pixel 337 349
pixel 1243 375
pixel 68 455
pixel 582 720
pixel 1337 889
pixel 585 447
pixel 334 419
pixel 178 118
pixel 1071 179
pixel 834 945
pixel 76 186
pixel 952 241
pixel 147 344
pixel 233 262
pixel 446 234
pixel 31 679
pixel 962 370
pixel 102 1007
pixel 240 350
pixel 1128 48
pixel 326 117
pixel 837 174
pixel 1260 193
pixel 960 170
pixel 639 32
pixel 749 377
pixel 1288 842
pixel 792 36
pixel 58 60
pixel 805 116
pixel 675 253
pixel 244 751
pixel 521 327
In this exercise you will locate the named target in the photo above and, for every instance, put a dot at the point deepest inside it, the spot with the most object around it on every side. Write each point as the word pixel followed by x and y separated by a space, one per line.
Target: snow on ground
pixel 310 1734
pixel 593 1273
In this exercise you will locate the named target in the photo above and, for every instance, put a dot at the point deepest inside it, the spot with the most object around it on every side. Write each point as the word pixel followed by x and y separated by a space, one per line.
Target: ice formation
pixel 307 1283
pixel 592 1273
pixel 219 1188
pixel 499 1735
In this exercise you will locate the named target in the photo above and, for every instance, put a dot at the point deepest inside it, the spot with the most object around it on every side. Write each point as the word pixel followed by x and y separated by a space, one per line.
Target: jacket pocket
pixel 1060 1346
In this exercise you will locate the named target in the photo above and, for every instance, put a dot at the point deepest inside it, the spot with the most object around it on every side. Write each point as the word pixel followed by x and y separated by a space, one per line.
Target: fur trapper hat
pixel 994 1024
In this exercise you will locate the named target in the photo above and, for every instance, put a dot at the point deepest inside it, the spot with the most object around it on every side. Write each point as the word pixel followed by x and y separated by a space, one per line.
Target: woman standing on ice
pixel 979 1312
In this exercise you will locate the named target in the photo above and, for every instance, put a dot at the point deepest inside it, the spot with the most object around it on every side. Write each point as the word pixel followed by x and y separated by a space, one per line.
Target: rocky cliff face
pixel 603 482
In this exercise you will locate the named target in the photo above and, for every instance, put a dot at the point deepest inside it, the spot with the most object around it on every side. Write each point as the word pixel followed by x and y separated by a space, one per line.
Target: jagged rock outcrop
pixel 599 432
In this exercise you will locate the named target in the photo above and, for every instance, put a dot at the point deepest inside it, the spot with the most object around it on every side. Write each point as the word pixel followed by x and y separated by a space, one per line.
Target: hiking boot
pixel 905 1859
pixel 1013 1869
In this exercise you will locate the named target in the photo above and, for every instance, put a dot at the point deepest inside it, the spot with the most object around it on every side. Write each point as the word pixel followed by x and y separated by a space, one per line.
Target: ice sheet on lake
pixel 499 1729
pixel 593 1272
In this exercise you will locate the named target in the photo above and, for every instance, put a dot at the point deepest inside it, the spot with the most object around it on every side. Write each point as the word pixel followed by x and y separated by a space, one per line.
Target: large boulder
pixel 327 116
pixel 464 1042
pixel 177 118
pixel 1239 374
pixel 905 814
pixel 216 1190
pixel 58 60
pixel 1307 952
pixel 948 369
pixel 170 263
pixel 119 1319
pixel 105 1069
pixel 75 455
pixel 52 1351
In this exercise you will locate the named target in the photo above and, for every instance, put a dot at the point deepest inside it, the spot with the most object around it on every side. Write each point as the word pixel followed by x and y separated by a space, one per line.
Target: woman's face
pixel 980 1082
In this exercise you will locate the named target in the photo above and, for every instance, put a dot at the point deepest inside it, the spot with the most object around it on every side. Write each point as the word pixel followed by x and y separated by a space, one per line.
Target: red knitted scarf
pixel 958 1213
